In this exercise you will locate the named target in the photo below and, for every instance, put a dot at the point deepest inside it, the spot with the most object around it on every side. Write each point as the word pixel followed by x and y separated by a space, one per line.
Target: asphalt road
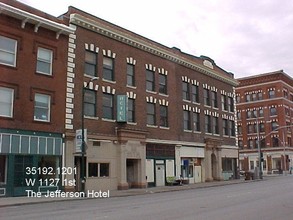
pixel 270 199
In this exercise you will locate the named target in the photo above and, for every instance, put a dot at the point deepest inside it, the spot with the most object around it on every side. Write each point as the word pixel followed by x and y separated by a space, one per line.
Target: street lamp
pixel 83 150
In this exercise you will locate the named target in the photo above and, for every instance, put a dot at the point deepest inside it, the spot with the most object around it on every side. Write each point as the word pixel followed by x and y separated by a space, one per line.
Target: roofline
pixel 266 74
pixel 36 20
pixel 133 41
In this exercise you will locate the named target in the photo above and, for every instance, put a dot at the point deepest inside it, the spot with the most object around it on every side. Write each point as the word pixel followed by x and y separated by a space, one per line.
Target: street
pixel 269 199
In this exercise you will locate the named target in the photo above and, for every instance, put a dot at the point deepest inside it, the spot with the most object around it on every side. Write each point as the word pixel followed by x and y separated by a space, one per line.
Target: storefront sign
pixel 78 139
pixel 122 108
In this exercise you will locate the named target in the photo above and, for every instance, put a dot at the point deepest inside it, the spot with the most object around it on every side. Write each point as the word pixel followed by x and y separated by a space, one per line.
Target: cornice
pixel 133 41
pixel 36 20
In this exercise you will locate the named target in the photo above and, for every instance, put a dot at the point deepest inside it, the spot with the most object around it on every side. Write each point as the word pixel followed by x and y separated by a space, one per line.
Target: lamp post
pixel 83 149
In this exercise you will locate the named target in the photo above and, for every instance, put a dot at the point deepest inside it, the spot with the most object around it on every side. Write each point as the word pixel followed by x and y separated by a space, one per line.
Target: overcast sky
pixel 243 37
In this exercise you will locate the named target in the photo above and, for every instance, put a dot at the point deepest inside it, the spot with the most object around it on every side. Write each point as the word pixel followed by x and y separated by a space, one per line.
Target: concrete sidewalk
pixel 16 201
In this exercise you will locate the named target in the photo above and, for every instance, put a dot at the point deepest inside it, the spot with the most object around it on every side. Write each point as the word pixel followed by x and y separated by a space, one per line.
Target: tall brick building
pixel 33 50
pixel 265 109
pixel 151 112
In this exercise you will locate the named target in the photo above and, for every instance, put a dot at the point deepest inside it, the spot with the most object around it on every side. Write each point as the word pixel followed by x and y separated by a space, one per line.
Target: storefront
pixel 29 161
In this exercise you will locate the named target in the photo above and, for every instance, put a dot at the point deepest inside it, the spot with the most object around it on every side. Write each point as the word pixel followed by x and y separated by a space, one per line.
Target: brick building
pixel 265 109
pixel 33 50
pixel 151 112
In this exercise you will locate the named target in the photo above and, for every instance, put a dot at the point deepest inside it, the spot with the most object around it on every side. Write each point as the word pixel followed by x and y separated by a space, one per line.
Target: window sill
pixel 152 126
pixel 188 131
pixel 131 123
pixel 108 120
pixel 162 94
pixel 185 100
pixel 109 81
pixel 165 128
pixel 153 92
pixel 131 87
pixel 92 118
pixel 90 76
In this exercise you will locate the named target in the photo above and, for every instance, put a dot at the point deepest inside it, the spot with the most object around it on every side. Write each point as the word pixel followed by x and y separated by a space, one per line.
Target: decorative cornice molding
pixel 133 41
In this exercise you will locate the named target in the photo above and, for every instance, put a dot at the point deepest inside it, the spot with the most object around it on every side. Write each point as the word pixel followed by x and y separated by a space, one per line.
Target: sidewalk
pixel 16 201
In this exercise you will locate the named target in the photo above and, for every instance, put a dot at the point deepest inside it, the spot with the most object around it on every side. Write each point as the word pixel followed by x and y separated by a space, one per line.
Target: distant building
pixel 33 55
pixel 178 118
pixel 265 109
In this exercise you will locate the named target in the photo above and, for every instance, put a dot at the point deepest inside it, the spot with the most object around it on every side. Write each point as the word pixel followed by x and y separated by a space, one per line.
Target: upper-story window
pixel 215 125
pixel 208 123
pixel 44 61
pixel 231 104
pixel 108 68
pixel 248 97
pixel 8 48
pixel 273 111
pixel 214 99
pixel 185 91
pixel 151 114
pixel 224 103
pixel 90 65
pixel 131 110
pixel 186 120
pixel 130 75
pixel 42 107
pixel 272 94
pixel 6 102
pixel 150 80
pixel 90 103
pixel 196 121
pixel 108 106
pixel 164 116
pixel 162 84
pixel 195 93
pixel 206 96
pixel 225 127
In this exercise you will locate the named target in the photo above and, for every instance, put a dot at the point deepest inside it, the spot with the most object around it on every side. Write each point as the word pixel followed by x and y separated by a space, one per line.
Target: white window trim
pixel 12 99
pixel 45 61
pixel 49 108
pixel 15 51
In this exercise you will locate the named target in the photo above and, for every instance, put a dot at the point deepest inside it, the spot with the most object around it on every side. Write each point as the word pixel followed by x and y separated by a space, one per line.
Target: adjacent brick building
pixel 33 53
pixel 265 109
pixel 180 112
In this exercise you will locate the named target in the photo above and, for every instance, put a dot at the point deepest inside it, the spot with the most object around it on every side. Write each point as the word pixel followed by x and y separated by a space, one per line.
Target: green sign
pixel 122 108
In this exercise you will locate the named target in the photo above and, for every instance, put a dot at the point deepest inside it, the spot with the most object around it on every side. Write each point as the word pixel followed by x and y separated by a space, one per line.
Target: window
pixel 250 129
pixel 240 144
pixel 130 75
pixel 272 94
pixel 275 142
pixel 150 80
pixel 261 113
pixel 8 51
pixel 274 125
pixel 225 127
pixel 185 91
pixel 254 97
pixel 108 106
pixel 261 127
pixel 224 103
pixel 208 127
pixel 214 99
pixel 42 107
pixel 248 98
pixel 89 103
pixel 108 69
pixel 273 111
pixel 238 99
pixel 239 115
pixel 186 120
pixel 6 102
pixel 131 110
pixel 162 84
pixel 151 114
pixel 44 61
pixel 196 121
pixel 250 144
pixel 259 95
pixel 239 128
pixel 195 93
pixel 163 116
pixel 215 125
pixel 232 128
pixel 231 104
pixel 206 95
pixel 90 65
pixel 99 170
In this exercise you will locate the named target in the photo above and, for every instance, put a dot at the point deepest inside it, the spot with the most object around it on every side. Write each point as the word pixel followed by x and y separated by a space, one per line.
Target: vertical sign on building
pixel 78 139
pixel 122 108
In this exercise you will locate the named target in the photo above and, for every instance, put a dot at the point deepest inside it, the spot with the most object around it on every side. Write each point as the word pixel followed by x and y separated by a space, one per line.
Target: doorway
pixel 160 175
